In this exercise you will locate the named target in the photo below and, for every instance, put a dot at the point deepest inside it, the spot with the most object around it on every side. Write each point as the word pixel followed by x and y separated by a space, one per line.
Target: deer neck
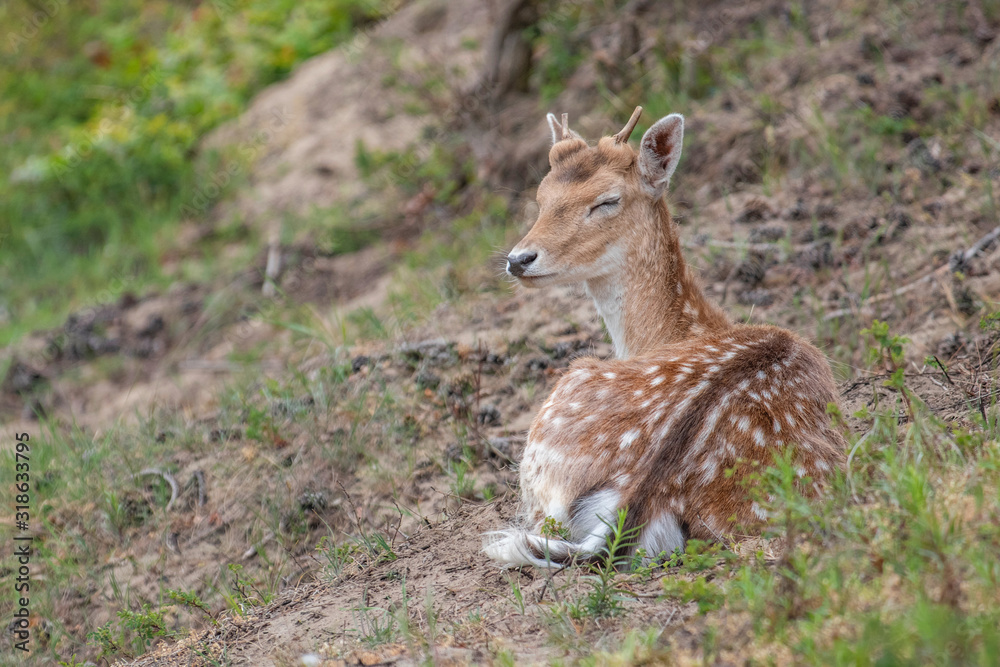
pixel 654 300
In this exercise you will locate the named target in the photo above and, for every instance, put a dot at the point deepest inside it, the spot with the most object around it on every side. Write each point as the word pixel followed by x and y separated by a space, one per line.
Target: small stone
pixel 359 362
pixel 538 364
pixel 427 379
pixel 756 297
pixel 766 234
pixel 753 269
pixel 488 415
pixel 313 501
pixel 798 212
pixel 755 210
pixel 951 344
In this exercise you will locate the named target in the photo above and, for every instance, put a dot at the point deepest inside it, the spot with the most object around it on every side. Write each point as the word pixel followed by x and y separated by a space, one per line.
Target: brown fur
pixel 695 404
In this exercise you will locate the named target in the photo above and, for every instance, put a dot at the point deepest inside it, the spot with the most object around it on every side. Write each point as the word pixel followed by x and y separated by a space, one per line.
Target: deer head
pixel 597 202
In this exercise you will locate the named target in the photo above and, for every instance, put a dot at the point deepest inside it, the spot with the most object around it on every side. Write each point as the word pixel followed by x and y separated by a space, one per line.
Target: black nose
pixel 517 264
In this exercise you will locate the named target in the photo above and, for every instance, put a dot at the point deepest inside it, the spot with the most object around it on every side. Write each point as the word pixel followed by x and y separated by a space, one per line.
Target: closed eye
pixel 605 205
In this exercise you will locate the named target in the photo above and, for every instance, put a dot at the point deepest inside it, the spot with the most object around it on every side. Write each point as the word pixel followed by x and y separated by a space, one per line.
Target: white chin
pixel 538 281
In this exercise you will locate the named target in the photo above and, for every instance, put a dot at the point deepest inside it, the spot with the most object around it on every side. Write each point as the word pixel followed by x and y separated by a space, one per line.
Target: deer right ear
pixel 660 151
pixel 557 129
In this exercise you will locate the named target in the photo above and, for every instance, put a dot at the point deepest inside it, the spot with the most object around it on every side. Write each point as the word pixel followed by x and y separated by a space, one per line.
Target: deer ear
pixel 660 151
pixel 556 127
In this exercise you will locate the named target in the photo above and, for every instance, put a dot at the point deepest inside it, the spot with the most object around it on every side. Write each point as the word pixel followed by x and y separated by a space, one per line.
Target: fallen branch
pixel 973 250
pixel 174 486
pixel 255 549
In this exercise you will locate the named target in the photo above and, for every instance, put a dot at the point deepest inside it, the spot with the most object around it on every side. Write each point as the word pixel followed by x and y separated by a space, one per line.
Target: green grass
pixel 102 113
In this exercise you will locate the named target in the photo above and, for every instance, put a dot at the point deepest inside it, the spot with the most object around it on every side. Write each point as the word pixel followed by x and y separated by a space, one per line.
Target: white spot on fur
pixel 759 512
pixel 777 426
pixel 761 375
pixel 709 470
pixel 652 369
pixel 628 438
pixel 758 436
pixel 743 424
pixel 657 380
pixel 700 387
pixel 822 465
pixel 609 376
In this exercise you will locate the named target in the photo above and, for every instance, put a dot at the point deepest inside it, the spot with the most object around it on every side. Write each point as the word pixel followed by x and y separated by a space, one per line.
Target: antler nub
pixel 626 131
pixel 565 126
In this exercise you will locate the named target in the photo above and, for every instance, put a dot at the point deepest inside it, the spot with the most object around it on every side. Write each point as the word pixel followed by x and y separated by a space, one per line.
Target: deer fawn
pixel 690 395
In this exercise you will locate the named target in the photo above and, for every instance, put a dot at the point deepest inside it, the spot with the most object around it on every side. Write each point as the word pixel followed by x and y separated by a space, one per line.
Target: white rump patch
pixel 593 513
pixel 662 534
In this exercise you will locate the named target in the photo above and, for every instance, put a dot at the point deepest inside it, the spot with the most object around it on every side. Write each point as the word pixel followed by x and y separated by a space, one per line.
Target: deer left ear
pixel 557 130
pixel 660 151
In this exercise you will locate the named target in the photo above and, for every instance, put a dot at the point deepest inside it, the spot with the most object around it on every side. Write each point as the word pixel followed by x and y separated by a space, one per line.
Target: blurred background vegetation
pixel 102 106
